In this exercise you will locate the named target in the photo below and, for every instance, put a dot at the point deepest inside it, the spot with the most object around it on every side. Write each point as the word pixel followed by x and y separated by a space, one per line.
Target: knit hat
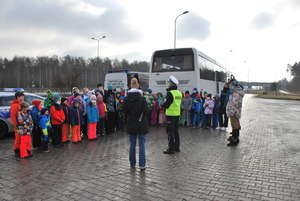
pixel 198 96
pixel 217 96
pixel 195 89
pixel 76 94
pixel 44 109
pixel 149 90
pixel 99 96
pixel 209 95
pixel 56 98
pixel 187 92
pixel 99 85
pixel 63 99
pixel 89 93
pixel 134 83
pixel 93 97
pixel 121 100
pixel 235 83
pixel 50 94
pixel 36 103
pixel 205 93
pixel 109 87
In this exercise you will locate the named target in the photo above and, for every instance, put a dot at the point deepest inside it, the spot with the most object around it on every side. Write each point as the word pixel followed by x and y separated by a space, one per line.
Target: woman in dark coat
pixel 135 106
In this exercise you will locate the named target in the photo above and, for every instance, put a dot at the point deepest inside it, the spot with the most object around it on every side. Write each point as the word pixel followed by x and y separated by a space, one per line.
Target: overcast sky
pixel 263 34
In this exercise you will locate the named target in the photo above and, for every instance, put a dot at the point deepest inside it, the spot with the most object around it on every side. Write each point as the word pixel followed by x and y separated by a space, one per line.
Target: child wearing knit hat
pixel 102 114
pixel 66 123
pixel 92 118
pixel 36 132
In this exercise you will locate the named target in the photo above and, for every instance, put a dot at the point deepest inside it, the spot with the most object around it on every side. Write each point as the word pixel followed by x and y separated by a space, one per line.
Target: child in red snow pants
pixel 76 133
pixel 25 145
pixel 92 130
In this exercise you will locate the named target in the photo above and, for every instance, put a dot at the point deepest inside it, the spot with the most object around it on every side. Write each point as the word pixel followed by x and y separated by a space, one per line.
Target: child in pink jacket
pixel 208 110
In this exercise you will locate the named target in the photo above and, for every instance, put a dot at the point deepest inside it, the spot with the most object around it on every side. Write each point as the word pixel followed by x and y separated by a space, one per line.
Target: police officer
pixel 172 105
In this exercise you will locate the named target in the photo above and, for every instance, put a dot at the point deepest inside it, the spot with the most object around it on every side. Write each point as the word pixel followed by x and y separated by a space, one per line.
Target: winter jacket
pixel 224 97
pixel 76 117
pixel 14 111
pixel 197 106
pixel 66 112
pixel 209 107
pixel 150 100
pixel 217 106
pixel 44 123
pixel 234 106
pixel 25 123
pixel 92 114
pixel 110 101
pixel 82 104
pixel 101 108
pixel 186 103
pixel 35 115
pixel 135 105
pixel 57 115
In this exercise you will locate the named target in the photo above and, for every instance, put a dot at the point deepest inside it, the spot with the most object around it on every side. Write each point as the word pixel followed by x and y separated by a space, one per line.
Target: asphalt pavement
pixel 264 166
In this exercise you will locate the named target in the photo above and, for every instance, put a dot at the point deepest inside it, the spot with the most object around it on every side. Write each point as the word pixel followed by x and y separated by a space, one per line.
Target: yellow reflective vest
pixel 174 108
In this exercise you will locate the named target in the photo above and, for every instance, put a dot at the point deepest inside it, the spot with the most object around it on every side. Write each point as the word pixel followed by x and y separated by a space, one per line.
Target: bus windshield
pixel 173 63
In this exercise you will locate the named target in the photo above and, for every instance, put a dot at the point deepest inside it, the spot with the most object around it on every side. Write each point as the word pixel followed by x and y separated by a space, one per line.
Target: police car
pixel 6 97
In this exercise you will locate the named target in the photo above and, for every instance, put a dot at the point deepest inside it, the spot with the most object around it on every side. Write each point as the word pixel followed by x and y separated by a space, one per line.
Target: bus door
pixel 217 78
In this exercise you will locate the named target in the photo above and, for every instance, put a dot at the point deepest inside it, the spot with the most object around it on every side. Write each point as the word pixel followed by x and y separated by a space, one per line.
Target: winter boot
pixel 232 142
pixel 17 153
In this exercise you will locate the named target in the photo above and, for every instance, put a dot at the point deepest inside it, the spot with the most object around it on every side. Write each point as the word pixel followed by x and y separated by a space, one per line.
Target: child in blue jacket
pixel 92 118
pixel 197 107
pixel 44 123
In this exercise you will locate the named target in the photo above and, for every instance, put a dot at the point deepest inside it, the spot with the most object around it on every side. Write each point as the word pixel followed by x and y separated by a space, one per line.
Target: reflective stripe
pixel 174 108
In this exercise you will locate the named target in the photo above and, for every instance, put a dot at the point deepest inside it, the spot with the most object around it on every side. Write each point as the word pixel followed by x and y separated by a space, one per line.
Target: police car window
pixel 6 100
pixel 29 99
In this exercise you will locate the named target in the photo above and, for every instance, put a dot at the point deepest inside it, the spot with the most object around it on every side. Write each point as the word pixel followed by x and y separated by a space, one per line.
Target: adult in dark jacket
pixel 110 100
pixel 136 107
pixel 223 123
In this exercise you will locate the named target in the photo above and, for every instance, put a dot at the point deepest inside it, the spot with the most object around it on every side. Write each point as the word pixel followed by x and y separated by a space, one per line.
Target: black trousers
pixel 100 126
pixel 56 135
pixel 222 113
pixel 208 120
pixel 36 136
pixel 109 128
pixel 172 131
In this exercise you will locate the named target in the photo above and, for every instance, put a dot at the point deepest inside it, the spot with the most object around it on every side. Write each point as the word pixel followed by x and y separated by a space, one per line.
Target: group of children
pixel 89 114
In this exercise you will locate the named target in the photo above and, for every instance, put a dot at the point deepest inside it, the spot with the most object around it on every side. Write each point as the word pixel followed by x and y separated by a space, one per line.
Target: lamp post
pixel 226 56
pixel 185 12
pixel 98 53
pixel 98 44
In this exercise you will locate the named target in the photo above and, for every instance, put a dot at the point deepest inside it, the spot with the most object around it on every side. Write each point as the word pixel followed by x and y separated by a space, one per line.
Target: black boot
pixel 234 139
pixel 232 142
pixel 17 153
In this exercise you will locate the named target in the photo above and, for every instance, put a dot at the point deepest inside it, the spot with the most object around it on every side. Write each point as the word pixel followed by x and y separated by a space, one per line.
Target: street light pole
pixel 98 44
pixel 98 53
pixel 185 12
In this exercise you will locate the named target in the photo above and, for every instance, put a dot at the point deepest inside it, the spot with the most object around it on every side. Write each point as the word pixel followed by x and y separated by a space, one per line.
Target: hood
pixel 15 101
pixel 241 92
pixel 75 101
pixel 134 90
pixel 133 95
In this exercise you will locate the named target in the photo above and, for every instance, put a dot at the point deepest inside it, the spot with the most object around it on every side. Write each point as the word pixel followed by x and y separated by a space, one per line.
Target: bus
pixel 191 67
pixel 121 79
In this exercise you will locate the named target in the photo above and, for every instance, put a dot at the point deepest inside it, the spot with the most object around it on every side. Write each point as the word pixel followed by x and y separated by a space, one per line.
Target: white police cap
pixel 173 80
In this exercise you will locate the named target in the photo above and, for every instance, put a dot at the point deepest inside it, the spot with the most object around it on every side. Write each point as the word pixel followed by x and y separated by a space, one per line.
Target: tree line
pixel 63 73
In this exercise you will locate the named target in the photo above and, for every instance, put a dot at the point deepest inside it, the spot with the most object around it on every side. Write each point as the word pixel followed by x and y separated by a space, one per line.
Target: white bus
pixel 191 67
pixel 120 79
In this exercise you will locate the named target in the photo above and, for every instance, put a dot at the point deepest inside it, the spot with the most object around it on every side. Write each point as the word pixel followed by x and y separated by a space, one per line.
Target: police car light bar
pixel 118 71
pixel 13 89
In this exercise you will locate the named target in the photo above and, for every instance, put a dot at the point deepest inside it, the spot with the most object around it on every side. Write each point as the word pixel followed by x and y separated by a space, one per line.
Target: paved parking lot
pixel 264 166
